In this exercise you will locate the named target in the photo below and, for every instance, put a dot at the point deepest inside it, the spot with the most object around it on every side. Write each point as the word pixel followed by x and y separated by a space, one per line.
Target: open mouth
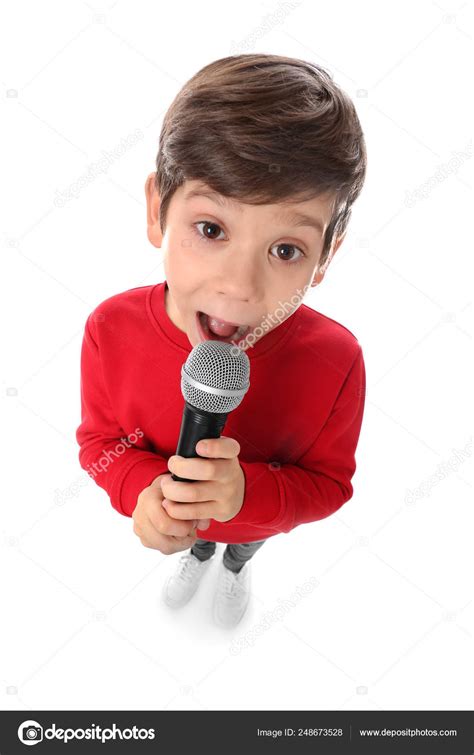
pixel 212 328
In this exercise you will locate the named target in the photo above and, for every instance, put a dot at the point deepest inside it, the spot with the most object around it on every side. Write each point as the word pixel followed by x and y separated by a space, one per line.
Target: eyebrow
pixel 297 219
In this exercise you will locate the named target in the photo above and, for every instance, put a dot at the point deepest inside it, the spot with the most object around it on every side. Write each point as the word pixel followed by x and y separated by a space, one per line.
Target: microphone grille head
pixel 215 376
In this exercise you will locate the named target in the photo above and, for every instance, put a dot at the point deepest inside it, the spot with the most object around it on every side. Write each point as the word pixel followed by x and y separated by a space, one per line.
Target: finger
pixel 149 536
pixel 171 544
pixel 190 511
pixel 203 524
pixel 218 448
pixel 161 523
pixel 197 468
pixel 187 492
pixel 183 543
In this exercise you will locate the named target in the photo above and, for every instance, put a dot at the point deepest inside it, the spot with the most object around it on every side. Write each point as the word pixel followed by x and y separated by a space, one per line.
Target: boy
pixel 260 159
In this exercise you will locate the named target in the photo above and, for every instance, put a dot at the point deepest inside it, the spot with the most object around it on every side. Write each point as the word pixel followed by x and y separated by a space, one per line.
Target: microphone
pixel 214 380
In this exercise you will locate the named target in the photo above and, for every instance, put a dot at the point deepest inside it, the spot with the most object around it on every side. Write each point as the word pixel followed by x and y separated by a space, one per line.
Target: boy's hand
pixel 218 487
pixel 155 528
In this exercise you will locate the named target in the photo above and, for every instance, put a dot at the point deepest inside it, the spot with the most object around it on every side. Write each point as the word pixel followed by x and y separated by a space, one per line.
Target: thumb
pixel 203 524
pixel 165 476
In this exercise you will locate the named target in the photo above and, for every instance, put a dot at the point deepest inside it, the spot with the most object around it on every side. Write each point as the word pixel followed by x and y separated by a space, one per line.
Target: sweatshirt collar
pixel 158 315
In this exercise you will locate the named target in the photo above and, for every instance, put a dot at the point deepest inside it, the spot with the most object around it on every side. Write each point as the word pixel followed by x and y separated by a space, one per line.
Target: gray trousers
pixel 235 554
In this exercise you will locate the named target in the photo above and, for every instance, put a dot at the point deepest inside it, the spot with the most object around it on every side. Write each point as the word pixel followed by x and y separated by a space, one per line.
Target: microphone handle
pixel 197 424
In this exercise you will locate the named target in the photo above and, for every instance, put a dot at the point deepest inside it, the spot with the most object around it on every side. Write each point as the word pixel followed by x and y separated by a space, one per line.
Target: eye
pixel 209 226
pixel 211 232
pixel 285 247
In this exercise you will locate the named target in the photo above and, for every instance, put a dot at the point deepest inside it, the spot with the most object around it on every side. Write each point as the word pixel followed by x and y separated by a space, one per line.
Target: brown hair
pixel 262 129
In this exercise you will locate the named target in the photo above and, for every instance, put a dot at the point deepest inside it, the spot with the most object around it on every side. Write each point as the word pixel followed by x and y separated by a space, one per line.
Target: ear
pixel 154 234
pixel 318 277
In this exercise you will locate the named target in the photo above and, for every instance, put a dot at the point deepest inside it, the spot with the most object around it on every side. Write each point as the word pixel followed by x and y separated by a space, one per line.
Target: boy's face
pixel 233 261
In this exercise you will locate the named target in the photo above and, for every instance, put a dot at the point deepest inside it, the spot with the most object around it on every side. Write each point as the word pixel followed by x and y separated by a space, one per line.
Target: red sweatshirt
pixel 298 424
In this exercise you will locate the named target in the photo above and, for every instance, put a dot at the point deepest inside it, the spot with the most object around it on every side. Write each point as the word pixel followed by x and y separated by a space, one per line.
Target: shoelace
pixel 188 567
pixel 232 586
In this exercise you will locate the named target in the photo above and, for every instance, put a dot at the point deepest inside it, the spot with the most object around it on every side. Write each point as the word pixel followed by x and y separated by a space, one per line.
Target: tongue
pixel 220 328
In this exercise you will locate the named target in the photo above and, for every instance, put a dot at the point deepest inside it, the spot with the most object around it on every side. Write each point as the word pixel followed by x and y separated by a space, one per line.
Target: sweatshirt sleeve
pixel 106 454
pixel 279 497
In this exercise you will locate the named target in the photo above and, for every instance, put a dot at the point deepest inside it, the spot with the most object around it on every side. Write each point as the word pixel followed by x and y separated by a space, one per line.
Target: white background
pixel 389 623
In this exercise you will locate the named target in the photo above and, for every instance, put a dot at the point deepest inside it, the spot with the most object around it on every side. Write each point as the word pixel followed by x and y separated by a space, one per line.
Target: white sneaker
pixel 181 586
pixel 232 595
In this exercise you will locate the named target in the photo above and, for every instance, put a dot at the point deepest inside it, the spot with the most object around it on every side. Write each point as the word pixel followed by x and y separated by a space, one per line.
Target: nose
pixel 241 280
